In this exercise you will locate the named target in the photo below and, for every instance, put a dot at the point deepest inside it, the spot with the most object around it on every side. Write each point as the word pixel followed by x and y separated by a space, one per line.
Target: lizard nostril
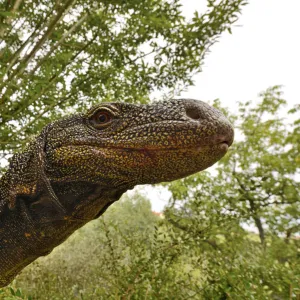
pixel 192 113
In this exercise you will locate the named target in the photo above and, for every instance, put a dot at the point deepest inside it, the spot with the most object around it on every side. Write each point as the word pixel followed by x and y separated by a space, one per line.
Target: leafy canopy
pixel 57 56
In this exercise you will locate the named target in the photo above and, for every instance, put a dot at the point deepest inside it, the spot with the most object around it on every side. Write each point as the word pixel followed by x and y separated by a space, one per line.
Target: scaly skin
pixel 78 166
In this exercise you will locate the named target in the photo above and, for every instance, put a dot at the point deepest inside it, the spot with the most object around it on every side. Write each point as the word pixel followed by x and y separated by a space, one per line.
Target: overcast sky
pixel 262 51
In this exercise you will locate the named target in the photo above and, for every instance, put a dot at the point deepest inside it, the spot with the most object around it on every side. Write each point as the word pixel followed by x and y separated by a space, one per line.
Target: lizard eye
pixel 101 118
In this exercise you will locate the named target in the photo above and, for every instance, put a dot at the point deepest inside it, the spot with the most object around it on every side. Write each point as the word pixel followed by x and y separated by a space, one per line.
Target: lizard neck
pixel 84 200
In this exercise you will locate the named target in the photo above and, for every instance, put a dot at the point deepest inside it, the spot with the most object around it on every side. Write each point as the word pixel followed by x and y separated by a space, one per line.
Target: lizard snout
pixel 211 121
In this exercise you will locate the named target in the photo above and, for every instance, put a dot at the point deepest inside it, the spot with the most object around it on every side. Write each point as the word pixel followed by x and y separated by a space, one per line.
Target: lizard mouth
pixel 224 146
pixel 224 141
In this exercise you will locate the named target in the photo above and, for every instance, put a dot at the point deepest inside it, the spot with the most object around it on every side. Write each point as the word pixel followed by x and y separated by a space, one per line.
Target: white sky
pixel 262 51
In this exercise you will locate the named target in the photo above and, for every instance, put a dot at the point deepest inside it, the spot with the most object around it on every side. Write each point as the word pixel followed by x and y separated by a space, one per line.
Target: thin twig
pixel 53 48
pixel 23 64
pixel 9 19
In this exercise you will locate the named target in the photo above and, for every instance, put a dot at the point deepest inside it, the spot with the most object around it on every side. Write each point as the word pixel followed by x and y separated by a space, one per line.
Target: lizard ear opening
pixel 101 118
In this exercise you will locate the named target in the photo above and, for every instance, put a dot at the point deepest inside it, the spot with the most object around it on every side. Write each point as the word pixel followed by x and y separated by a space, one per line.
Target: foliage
pixel 12 294
pixel 61 56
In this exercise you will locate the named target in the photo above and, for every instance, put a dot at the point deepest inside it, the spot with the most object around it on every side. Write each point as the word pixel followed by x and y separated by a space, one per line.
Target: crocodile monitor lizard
pixel 78 166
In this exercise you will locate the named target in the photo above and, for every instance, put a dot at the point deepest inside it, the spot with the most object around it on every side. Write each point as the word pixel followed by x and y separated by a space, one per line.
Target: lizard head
pixel 121 144
pixel 78 166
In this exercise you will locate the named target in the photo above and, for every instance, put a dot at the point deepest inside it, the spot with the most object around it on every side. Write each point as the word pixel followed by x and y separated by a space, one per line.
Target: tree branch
pixel 290 231
pixel 17 53
pixel 51 81
pixel 53 48
pixel 8 19
pixel 23 64
pixel 257 221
